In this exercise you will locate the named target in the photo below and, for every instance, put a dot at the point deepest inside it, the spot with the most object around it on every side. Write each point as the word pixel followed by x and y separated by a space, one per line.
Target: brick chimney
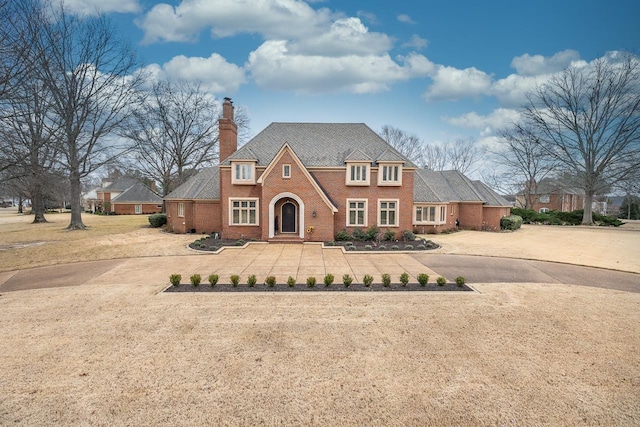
pixel 228 130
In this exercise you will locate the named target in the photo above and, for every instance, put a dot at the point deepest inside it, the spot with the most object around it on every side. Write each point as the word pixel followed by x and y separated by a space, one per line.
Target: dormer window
pixel 390 174
pixel 358 173
pixel 243 173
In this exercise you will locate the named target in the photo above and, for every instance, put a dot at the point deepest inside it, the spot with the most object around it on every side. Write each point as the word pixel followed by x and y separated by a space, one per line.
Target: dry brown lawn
pixel 115 352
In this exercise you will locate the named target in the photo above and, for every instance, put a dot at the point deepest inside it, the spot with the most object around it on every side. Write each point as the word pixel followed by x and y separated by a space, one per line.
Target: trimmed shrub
pixel 368 247
pixel 240 242
pixel 408 247
pixel 329 243
pixel 395 247
pixel 421 247
pixel 270 281
pixel 328 279
pixel 174 279
pixel 348 244
pixel 408 235
pixel 157 220
pixel 251 280
pixel 404 279
pixel 343 235
pixel 195 279
pixel 423 279
pixel 512 222
pixel 367 280
pixel 347 280
pixel 386 280
pixel 352 248
pixel 441 281
pixel 359 234
pixel 460 280
pixel 382 248
pixel 235 279
pixel 389 235
pixel 213 279
pixel 291 281
pixel 372 233
pixel 311 282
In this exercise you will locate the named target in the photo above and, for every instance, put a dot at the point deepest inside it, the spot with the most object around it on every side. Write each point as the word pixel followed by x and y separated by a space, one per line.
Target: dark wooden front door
pixel 288 218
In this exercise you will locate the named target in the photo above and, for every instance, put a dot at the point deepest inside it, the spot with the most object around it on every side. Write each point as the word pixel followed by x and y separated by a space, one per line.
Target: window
pixel 138 209
pixel 388 212
pixel 544 198
pixel 427 214
pixel 181 209
pixel 443 213
pixel 358 174
pixel 544 210
pixel 286 171
pixel 244 212
pixel 243 173
pixel 451 210
pixel 390 175
pixel 356 213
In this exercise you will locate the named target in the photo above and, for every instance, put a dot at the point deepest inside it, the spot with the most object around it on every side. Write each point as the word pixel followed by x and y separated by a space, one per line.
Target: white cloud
pixel 527 65
pixel 451 83
pixel 406 19
pixel 94 7
pixel 213 73
pixel 497 119
pixel 416 42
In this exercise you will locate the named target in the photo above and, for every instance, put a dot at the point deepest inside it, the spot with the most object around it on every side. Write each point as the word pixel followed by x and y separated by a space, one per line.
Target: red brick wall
pixel 471 216
pixel 572 202
pixel 492 217
pixel 130 208
pixel 201 215
pixel 227 190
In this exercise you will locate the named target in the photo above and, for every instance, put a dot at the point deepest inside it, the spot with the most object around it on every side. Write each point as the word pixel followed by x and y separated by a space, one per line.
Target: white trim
pixel 243 181
pixel 180 210
pixel 272 204
pixel 356 182
pixel 438 218
pixel 388 182
pixel 397 211
pixel 284 168
pixel 366 212
pixel 244 199
pixel 137 209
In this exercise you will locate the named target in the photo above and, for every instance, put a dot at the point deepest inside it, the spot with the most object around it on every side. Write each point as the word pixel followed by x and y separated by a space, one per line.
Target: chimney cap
pixel 227 99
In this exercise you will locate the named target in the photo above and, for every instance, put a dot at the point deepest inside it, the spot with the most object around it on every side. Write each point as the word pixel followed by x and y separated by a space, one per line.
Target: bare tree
pixel 90 75
pixel 435 157
pixel 175 131
pixel 588 118
pixel 462 155
pixel 409 145
pixel 524 160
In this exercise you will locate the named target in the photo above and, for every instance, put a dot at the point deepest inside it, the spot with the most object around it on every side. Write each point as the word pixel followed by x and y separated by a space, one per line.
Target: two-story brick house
pixel 307 181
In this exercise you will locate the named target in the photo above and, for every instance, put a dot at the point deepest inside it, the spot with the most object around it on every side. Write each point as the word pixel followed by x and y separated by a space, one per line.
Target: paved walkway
pixel 302 261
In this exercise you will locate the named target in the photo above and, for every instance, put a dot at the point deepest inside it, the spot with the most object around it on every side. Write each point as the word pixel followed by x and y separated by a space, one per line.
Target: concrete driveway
pixel 302 261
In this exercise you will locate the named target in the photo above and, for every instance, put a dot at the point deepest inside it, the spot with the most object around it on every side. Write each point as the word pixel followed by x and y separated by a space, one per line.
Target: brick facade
pixel 130 208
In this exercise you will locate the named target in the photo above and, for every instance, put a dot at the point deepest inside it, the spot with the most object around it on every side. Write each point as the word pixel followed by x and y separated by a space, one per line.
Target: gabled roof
pixel 137 193
pixel 205 185
pixel 317 144
pixel 452 186
pixel 552 186
pixel 120 184
pixel 356 155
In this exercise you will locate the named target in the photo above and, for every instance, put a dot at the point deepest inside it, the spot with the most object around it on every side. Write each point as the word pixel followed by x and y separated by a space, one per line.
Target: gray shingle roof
pixel 490 197
pixel 138 192
pixel 317 144
pixel 452 186
pixel 356 155
pixel 205 185
pixel 120 184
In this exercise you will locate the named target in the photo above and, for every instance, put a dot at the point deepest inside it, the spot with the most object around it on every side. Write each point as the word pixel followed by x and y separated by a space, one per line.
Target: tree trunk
pixel 37 207
pixel 629 199
pixel 587 217
pixel 20 201
pixel 76 204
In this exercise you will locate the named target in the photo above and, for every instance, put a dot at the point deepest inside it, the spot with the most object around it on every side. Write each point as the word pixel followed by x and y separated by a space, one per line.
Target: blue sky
pixel 440 69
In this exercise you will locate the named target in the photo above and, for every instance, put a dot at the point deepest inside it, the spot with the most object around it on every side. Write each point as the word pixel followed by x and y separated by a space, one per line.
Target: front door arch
pixel 299 216
pixel 289 218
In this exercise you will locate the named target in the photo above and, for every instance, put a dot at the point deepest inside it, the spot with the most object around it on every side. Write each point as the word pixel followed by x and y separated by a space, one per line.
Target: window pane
pixel 418 214
pixel 243 217
pixel 383 205
pixel 236 217
pixel 352 205
pixel 392 205
pixel 252 217
pixel 395 173
pixel 248 172
pixel 352 217
pixel 236 204
pixel 252 204
pixel 360 217
pixel 392 217
pixel 360 205
pixel 383 217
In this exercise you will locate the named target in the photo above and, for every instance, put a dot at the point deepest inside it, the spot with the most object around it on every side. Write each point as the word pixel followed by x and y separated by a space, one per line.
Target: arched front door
pixel 288 218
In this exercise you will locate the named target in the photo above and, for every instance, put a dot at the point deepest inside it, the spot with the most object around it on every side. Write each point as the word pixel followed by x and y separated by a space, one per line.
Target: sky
pixel 442 70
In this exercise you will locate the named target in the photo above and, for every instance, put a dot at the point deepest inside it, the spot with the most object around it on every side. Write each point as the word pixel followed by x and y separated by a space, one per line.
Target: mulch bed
pixel 302 287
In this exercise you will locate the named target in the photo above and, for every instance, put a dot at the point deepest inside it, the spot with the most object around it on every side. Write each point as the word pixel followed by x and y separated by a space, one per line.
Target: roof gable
pixel 137 193
pixel 452 186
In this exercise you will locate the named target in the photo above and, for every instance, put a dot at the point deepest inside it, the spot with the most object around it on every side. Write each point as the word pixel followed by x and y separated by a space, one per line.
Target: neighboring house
pixel 551 195
pixel 126 196
pixel 614 203
pixel 307 181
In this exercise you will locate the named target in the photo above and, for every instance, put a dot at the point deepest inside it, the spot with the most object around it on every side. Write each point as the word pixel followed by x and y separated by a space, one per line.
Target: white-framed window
pixel 243 211
pixel 286 171
pixel 138 209
pixel 357 212
pixel 390 174
pixel 388 213
pixel 243 173
pixel 544 210
pixel 451 210
pixel 358 173
pixel 181 209
pixel 430 214
pixel 544 198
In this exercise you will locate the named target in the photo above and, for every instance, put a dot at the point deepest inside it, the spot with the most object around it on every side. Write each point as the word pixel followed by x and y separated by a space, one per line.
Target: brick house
pixel 126 196
pixel 552 195
pixel 307 181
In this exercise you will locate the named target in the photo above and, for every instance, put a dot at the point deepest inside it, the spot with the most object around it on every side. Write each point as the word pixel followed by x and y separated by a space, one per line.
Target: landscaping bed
pixel 302 287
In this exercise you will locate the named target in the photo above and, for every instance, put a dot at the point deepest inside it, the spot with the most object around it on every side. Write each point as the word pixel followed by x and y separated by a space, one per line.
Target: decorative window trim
pixel 396 214
pixel 137 209
pixel 354 169
pixel 241 208
pixel 181 210
pixel 243 173
pixel 365 209
pixel 286 171
pixel 390 174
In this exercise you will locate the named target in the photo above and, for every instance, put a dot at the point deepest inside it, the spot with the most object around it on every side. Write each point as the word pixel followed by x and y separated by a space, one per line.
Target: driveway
pixel 302 261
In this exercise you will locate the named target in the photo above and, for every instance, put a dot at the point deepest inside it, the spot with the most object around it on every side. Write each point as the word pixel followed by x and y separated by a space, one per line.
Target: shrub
pixel 270 281
pixel 213 279
pixel 195 279
pixel 343 235
pixel 372 233
pixel 423 279
pixel 251 280
pixel 291 281
pixel 382 248
pixel 239 242
pixel 386 280
pixel 367 280
pixel 329 243
pixel 359 234
pixel 389 235
pixel 460 280
pixel 421 247
pixel 157 220
pixel 408 235
pixel 328 279
pixel 235 279
pixel 395 247
pixel 404 279
pixel 408 247
pixel 174 279
pixel 368 247
pixel 348 244
pixel 441 281
pixel 512 222
pixel 347 280
pixel 352 248
pixel 213 248
pixel 311 282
